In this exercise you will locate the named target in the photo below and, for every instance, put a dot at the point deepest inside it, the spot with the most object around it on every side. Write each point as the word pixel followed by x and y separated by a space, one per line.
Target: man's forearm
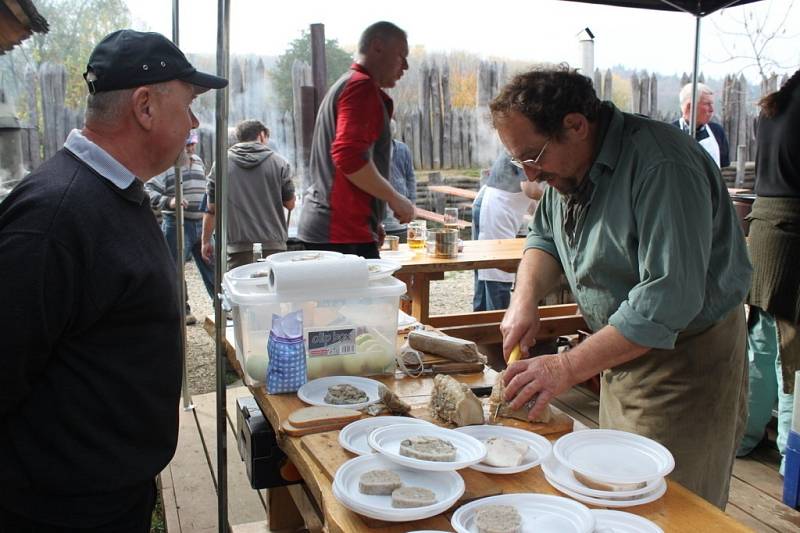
pixel 209 221
pixel 369 180
pixel 605 349
pixel 538 274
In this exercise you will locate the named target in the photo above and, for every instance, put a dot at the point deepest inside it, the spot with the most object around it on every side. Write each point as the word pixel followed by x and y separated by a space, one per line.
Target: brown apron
pixel 692 399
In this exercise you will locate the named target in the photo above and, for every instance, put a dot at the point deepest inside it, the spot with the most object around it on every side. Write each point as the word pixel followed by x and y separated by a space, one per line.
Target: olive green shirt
pixel 658 249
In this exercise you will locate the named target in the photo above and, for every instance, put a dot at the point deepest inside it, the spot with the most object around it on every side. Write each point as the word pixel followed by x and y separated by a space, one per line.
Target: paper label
pixel 330 341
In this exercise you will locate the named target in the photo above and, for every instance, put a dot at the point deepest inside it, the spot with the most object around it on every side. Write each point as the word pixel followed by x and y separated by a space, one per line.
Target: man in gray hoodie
pixel 259 188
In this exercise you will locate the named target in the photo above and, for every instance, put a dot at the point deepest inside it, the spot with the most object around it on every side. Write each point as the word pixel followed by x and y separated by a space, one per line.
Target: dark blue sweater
pixel 90 362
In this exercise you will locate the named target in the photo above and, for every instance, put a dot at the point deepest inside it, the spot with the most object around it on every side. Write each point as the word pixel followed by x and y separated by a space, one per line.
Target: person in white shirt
pixel 709 134
pixel 498 213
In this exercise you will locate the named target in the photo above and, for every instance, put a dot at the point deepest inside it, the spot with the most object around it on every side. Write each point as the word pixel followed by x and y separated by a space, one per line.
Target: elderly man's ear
pixel 576 126
pixel 143 106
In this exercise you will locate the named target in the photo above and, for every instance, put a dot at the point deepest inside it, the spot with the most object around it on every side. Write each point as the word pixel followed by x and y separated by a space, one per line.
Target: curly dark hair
pixel 545 95
pixel 775 103
pixel 248 130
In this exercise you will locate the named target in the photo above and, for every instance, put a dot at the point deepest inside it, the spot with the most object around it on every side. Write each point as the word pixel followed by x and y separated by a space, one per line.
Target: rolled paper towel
pixel 322 275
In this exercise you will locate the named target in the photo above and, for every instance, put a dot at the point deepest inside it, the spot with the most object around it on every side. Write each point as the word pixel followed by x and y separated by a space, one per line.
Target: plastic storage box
pixel 348 329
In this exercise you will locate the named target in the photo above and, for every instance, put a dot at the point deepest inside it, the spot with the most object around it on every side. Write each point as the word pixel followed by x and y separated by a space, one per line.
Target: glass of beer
pixel 450 218
pixel 417 232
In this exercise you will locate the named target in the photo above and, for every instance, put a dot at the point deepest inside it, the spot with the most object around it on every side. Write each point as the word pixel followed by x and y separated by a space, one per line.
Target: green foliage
pixel 76 26
pixel 337 60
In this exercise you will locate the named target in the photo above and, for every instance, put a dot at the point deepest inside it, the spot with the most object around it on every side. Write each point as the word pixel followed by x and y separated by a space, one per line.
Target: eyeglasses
pixel 531 163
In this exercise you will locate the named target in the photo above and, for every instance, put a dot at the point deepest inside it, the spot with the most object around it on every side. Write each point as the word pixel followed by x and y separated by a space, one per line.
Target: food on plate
pixel 608 487
pixel 374 268
pixel 407 497
pixel 505 410
pixel 345 394
pixel 379 482
pixel 428 449
pixel 321 416
pixel 498 519
pixel 452 348
pixel 454 402
pixel 502 452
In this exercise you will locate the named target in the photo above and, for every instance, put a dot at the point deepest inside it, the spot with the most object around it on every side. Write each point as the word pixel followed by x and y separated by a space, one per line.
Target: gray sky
pixel 533 30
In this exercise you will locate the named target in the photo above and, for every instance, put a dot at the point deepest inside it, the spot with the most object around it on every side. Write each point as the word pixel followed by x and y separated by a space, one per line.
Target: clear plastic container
pixel 347 331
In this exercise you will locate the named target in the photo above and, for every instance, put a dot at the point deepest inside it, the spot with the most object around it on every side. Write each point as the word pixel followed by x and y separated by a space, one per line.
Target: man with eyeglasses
pixel 639 220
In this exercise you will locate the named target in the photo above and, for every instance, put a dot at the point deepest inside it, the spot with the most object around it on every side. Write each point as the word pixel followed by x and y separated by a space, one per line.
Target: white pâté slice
pixel 345 394
pixel 502 452
pixel 379 482
pixel 408 497
pixel 498 519
pixel 428 449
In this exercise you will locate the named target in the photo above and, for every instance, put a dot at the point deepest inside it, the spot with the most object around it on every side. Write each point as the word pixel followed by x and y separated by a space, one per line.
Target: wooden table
pixel 481 326
pixel 318 456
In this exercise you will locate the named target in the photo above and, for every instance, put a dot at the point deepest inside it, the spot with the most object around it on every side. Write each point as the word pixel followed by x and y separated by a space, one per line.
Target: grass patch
pixel 157 524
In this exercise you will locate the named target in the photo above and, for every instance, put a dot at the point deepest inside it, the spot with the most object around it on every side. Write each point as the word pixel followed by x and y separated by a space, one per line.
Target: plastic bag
pixel 287 354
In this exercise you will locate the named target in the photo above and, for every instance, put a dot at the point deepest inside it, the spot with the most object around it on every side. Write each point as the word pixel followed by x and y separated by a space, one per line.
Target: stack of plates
pixel 619 522
pixel 448 487
pixel 353 437
pixel 631 466
pixel 386 441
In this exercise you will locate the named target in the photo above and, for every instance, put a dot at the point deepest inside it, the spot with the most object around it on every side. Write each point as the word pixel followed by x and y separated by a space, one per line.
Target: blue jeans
pixel 192 247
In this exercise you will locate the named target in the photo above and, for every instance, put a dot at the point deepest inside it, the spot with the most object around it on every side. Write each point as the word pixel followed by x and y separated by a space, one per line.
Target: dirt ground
pixel 451 295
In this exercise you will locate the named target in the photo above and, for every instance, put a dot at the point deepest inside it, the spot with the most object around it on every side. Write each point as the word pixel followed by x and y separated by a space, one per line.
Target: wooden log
pixel 597 81
pixel 447 116
pixel 301 76
pixel 319 67
pixel 653 95
pixel 644 94
pixel 33 155
pixel 416 137
pixel 53 83
pixel 608 82
pixel 308 109
pixel 636 90
pixel 425 115
pixel 436 118
pixel 458 153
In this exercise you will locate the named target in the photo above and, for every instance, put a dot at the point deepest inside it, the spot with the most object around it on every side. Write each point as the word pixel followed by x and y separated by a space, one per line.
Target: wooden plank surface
pixel 250 505
pixel 454 191
pixel 498 253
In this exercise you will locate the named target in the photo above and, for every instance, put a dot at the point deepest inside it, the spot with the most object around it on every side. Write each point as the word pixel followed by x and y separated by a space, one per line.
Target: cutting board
pixel 293 431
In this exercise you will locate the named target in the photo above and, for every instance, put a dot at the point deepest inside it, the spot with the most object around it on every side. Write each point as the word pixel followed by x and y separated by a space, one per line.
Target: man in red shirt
pixel 351 151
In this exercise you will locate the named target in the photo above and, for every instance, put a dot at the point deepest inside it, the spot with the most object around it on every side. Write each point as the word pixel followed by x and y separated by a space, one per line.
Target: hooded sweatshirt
pixel 259 182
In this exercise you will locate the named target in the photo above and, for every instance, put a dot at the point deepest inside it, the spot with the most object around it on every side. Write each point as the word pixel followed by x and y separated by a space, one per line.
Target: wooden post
pixel 301 76
pixel 319 66
pixel 636 91
pixel 425 118
pixel 741 158
pixel 458 157
pixel 34 153
pixel 53 82
pixel 608 82
pixel 416 137
pixel 436 118
pixel 653 95
pixel 308 108
pixel 447 124
pixel 597 81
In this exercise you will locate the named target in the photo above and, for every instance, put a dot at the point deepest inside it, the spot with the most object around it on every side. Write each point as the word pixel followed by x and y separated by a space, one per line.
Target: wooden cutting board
pixel 293 431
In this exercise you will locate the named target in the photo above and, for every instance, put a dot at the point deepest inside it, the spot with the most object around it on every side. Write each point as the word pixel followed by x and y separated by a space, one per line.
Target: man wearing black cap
pixel 90 369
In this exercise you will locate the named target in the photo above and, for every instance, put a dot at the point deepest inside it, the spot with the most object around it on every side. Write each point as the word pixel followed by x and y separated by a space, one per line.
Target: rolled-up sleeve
pixel 673 214
pixel 540 229
pixel 359 119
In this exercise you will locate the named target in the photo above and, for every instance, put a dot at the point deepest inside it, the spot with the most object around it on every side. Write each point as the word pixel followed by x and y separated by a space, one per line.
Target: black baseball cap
pixel 128 58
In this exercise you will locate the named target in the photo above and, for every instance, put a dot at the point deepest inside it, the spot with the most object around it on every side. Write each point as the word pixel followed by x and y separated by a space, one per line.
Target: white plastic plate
pixel 630 501
pixel 397 255
pixel 612 456
pixel 353 437
pixel 314 391
pixel 538 447
pixel 448 487
pixel 542 513
pixel 381 268
pixel 386 441
pixel 622 522
pixel 565 477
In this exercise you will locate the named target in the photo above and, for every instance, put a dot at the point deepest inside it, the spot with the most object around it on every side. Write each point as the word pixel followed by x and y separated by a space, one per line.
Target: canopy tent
pixel 696 8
